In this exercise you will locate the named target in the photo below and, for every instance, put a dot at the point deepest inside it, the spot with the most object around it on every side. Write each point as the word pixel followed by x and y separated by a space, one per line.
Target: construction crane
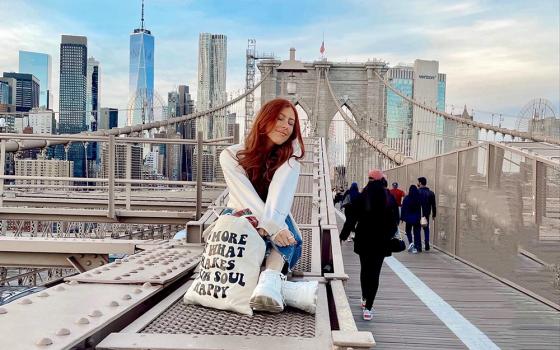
pixel 251 58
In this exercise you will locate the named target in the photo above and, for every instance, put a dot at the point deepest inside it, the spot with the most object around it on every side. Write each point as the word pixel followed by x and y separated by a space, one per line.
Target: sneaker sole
pixel 264 303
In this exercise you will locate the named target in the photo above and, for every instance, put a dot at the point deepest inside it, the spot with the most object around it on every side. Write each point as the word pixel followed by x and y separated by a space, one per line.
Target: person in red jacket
pixel 397 193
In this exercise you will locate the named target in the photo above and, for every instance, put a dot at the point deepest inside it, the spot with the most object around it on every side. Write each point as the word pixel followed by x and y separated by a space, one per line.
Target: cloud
pixel 493 59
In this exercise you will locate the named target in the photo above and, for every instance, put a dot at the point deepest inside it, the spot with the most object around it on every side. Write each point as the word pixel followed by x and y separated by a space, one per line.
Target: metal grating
pixel 307 168
pixel 305 184
pixel 304 263
pixel 180 318
pixel 301 210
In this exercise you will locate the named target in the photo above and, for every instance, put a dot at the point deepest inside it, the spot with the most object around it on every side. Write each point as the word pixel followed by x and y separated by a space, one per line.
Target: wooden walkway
pixel 401 320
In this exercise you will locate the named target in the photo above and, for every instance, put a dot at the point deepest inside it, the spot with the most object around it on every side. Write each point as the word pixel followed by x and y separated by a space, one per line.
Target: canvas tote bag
pixel 229 267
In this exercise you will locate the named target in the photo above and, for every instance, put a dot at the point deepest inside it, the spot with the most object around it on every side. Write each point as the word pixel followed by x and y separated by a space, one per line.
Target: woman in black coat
pixel 376 220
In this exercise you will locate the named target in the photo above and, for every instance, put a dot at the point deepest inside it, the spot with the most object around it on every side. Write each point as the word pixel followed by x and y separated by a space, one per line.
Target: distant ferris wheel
pixel 536 109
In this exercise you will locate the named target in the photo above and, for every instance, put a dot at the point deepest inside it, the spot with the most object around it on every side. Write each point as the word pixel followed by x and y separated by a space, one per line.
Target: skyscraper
pixel 27 91
pixel 411 130
pixel 92 94
pixel 92 106
pixel 40 65
pixel 212 64
pixel 108 118
pixel 187 130
pixel 72 100
pixel 141 78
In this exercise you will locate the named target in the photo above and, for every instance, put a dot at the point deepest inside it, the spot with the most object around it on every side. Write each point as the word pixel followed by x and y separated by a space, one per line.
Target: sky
pixel 498 55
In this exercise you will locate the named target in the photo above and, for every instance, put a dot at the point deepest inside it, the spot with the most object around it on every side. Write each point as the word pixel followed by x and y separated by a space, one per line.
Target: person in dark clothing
pixel 410 214
pixel 428 204
pixel 350 196
pixel 376 222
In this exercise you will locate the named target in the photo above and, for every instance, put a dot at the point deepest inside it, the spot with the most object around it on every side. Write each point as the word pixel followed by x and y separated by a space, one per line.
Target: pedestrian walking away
pixel 428 206
pixel 410 214
pixel 375 224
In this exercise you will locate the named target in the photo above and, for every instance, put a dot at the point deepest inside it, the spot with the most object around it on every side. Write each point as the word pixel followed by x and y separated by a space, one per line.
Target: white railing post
pixel 128 175
pixel 111 185
pixel 199 175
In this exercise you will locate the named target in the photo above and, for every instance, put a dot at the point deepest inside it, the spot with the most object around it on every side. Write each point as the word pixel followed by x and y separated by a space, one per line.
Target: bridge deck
pixel 509 318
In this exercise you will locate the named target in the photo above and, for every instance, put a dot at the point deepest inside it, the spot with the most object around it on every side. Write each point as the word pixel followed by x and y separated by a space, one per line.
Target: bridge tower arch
pixel 354 84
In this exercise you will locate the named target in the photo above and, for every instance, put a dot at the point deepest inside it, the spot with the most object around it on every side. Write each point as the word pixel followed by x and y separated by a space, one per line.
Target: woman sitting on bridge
pixel 262 175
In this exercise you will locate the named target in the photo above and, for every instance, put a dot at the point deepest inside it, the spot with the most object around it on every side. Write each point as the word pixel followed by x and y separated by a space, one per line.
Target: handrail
pixel 503 131
pixel 14 146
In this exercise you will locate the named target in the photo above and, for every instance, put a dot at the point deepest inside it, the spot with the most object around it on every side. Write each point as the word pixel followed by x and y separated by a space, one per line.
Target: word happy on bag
pixel 222 247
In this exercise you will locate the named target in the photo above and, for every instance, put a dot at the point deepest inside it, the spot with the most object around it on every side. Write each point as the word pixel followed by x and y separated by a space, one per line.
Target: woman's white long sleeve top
pixel 242 194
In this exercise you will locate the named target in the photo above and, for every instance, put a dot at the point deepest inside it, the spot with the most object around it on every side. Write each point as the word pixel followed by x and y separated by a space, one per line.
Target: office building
pixel 40 65
pixel 141 76
pixel 212 64
pixel 27 91
pixel 72 100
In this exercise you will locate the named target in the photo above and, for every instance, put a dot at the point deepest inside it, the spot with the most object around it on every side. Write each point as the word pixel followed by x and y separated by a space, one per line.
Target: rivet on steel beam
pixel 126 297
pixel 168 270
pixel 63 331
pixel 117 278
pixel 155 277
pixel 163 274
pixel 3 311
pixel 140 268
pixel 105 269
pixel 25 301
pixel 60 288
pixel 113 303
pixel 97 272
pixel 43 342
pixel 126 275
pixel 133 271
pixel 73 282
pixel 174 267
pixel 137 291
pixel 82 320
pixel 43 294
pixel 88 263
pixel 147 285
pixel 95 313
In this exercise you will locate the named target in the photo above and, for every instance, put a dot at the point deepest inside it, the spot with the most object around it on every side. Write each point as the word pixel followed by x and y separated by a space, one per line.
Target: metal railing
pixel 111 185
pixel 498 209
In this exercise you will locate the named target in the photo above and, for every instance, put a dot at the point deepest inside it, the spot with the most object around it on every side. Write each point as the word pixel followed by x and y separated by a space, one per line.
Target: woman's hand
pixel 284 238
pixel 262 232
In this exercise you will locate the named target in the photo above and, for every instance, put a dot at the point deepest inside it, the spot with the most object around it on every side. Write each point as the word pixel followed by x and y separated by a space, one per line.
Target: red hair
pixel 259 165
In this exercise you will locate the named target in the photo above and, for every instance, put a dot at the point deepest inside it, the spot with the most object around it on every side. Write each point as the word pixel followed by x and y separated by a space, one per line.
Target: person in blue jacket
pixel 410 214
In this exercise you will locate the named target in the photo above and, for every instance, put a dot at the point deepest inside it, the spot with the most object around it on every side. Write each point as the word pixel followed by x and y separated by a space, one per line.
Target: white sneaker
pixel 267 295
pixel 410 247
pixel 301 295
pixel 414 250
pixel 367 314
pixel 363 304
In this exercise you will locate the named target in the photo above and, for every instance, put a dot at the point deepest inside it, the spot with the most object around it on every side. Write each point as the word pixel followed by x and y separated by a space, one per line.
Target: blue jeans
pixel 414 229
pixel 426 236
pixel 291 253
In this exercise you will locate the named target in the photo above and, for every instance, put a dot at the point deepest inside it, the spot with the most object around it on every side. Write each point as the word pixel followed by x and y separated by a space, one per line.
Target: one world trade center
pixel 141 78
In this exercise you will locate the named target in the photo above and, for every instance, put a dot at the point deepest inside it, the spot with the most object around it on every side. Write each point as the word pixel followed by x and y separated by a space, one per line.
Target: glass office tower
pixel 40 65
pixel 141 77
pixel 72 101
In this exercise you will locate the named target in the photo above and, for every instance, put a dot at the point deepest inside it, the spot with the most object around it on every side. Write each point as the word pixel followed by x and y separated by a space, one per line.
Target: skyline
pixel 495 61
